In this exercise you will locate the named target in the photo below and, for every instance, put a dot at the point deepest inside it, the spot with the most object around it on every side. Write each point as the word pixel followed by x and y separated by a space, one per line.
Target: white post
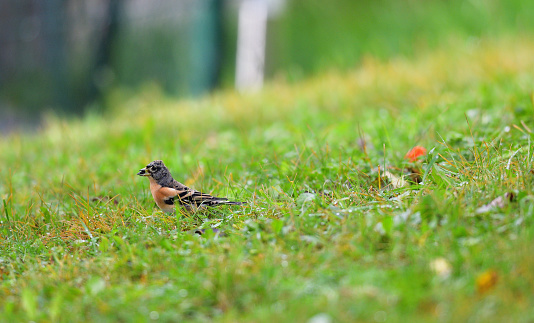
pixel 251 38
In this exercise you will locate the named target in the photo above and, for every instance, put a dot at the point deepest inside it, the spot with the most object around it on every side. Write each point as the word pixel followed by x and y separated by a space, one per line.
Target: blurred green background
pixel 66 56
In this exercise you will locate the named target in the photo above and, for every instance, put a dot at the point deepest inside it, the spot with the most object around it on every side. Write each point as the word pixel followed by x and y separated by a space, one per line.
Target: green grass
pixel 324 232
pixel 311 35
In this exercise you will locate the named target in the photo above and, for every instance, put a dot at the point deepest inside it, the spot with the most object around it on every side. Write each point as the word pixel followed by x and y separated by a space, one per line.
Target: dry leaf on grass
pixel 497 203
pixel 395 181
pixel 486 281
pixel 441 267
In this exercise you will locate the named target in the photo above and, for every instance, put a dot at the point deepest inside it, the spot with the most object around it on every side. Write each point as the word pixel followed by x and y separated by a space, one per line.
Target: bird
pixel 166 191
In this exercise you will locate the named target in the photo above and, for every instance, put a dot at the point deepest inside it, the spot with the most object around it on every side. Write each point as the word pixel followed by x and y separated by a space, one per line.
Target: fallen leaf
pixel 415 152
pixel 395 181
pixel 441 267
pixel 497 203
pixel 486 281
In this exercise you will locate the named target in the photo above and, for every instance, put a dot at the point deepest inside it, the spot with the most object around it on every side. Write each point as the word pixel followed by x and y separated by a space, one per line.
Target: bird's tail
pixel 213 201
pixel 233 203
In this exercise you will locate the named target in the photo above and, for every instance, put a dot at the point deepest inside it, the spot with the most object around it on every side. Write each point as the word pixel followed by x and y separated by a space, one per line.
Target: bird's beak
pixel 143 172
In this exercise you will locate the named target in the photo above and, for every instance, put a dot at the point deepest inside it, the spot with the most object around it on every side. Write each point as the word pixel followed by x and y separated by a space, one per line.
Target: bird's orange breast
pixel 158 193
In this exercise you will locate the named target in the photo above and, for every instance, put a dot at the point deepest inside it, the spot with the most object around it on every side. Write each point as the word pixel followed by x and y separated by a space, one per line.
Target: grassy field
pixel 335 228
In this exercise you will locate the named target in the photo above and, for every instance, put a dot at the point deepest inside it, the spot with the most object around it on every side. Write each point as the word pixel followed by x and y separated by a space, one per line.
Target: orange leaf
pixel 486 281
pixel 415 152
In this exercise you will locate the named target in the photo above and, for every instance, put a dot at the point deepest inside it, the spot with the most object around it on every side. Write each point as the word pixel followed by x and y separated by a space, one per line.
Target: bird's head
pixel 155 169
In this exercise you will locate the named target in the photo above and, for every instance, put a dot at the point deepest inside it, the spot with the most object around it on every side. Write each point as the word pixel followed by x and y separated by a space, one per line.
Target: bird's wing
pixel 186 195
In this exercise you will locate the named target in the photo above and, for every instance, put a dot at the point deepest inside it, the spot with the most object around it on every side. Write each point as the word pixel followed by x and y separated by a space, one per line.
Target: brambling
pixel 166 190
